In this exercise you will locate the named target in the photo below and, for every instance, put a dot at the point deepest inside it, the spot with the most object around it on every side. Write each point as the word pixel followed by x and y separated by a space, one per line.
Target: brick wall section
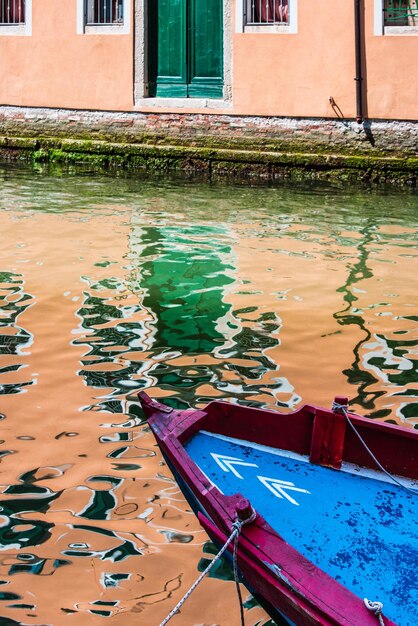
pixel 397 138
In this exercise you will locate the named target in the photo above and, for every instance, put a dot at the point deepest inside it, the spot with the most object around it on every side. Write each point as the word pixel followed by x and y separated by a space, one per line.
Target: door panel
pixel 170 31
pixel 185 48
pixel 205 48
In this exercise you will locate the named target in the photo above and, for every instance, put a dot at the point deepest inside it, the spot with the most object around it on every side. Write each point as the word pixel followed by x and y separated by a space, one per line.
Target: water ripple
pixel 265 296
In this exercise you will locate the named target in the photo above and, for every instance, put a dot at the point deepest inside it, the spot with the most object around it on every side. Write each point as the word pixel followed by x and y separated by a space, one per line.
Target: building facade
pixel 292 58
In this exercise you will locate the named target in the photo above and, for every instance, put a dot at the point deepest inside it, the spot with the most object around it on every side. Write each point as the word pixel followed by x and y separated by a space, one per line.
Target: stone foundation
pixel 244 145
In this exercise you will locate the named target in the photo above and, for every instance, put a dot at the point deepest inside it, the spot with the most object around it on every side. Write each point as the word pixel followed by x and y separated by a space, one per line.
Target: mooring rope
pixel 376 608
pixel 343 409
pixel 236 578
pixel 236 526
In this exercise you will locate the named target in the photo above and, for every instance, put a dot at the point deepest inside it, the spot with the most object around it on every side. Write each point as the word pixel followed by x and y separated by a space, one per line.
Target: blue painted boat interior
pixel 361 530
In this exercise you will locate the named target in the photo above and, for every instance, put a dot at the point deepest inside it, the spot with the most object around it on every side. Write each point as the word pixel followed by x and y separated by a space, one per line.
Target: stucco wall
pixel 291 75
pixel 296 74
pixel 278 74
pixel 391 73
pixel 58 68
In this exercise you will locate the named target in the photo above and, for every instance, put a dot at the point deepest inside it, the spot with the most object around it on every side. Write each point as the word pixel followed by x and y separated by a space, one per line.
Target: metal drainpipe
pixel 358 78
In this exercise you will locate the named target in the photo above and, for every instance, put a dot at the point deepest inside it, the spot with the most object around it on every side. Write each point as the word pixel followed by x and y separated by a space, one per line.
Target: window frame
pixel 22 28
pixel 122 28
pixel 381 29
pixel 291 28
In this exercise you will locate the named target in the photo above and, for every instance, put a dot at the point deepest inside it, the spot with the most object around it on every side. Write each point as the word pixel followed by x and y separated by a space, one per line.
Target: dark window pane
pixel 104 11
pixel 268 12
pixel 401 13
pixel 12 11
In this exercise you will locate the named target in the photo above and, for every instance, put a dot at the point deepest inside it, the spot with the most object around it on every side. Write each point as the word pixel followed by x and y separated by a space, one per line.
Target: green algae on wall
pixel 214 160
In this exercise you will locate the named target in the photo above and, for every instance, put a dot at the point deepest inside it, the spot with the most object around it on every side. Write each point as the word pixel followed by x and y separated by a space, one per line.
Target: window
pixel 104 12
pixel 396 17
pixel 103 17
pixel 15 17
pixel 267 12
pixel 12 12
pixel 266 16
pixel 400 13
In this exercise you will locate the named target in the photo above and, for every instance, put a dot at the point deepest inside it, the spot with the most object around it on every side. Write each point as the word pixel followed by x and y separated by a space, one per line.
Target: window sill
pixel 183 103
pixel 400 30
pixel 106 29
pixel 281 29
pixel 15 29
pixel 117 28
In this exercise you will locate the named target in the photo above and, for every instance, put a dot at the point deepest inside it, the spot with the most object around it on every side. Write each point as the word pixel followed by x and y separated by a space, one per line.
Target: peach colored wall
pixel 391 73
pixel 273 74
pixel 55 67
pixel 296 74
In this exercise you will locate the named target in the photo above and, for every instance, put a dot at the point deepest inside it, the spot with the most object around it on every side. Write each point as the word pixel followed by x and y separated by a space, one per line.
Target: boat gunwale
pixel 308 601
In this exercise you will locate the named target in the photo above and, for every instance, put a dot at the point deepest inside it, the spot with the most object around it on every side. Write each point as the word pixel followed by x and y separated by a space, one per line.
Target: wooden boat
pixel 331 527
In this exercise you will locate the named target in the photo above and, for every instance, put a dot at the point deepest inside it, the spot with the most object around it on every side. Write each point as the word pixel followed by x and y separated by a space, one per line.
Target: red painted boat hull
pixel 270 566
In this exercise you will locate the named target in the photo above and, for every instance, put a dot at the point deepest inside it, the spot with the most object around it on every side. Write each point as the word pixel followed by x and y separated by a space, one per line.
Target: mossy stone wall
pixel 216 144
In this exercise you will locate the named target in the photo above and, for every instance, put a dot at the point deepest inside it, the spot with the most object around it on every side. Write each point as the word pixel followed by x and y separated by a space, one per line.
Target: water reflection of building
pixel 113 327
pixel 203 345
pixel 15 532
pixel 384 367
pixel 182 321
pixel 182 276
pixel 13 337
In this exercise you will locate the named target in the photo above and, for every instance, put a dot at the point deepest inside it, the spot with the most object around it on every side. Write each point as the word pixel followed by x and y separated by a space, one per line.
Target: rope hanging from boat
pixel 236 577
pixel 343 408
pixel 236 530
pixel 376 608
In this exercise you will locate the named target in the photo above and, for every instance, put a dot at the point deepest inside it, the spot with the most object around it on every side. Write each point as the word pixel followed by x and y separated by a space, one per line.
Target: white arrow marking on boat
pixel 280 488
pixel 227 463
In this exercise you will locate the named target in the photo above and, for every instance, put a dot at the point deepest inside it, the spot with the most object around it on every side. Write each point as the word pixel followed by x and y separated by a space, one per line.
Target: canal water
pixel 267 296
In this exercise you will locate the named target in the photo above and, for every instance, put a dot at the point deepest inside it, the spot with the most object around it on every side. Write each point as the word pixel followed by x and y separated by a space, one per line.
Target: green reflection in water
pixel 359 272
pixel 221 570
pixel 253 343
pixel 184 273
pixel 181 250
pixel 182 277
pixel 10 533
pixel 32 564
pixel 13 302
pixel 390 361
pixel 107 341
pixel 122 551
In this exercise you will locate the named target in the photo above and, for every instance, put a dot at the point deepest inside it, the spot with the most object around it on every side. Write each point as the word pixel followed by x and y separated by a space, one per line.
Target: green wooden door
pixel 205 49
pixel 185 48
